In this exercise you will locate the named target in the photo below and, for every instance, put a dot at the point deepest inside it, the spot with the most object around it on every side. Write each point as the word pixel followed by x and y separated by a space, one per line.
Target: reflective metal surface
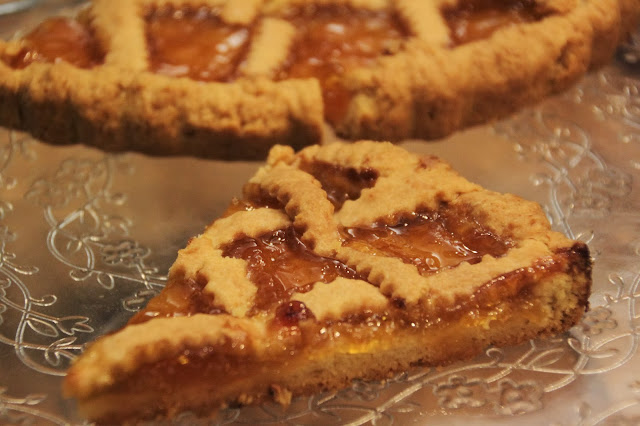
pixel 13 6
pixel 86 238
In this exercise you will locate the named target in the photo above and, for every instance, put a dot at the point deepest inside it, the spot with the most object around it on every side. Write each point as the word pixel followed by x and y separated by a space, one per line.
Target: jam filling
pixel 58 39
pixel 195 43
pixel 279 263
pixel 341 183
pixel 430 241
pixel 332 40
pixel 264 201
pixel 478 19
pixel 291 313
pixel 178 298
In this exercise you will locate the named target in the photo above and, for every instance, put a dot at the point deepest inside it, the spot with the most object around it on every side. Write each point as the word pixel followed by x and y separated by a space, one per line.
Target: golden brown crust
pixel 346 327
pixel 422 91
pixel 157 114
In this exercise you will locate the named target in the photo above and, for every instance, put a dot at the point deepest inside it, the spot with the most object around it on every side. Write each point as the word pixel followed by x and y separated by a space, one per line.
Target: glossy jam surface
pixel 178 298
pixel 291 313
pixel 58 39
pixel 194 43
pixel 430 241
pixel 341 183
pixel 279 263
pixel 331 40
pixel 478 19
pixel 238 205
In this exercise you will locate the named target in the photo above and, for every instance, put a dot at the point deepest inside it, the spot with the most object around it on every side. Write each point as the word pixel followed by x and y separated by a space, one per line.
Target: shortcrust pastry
pixel 340 262
pixel 228 79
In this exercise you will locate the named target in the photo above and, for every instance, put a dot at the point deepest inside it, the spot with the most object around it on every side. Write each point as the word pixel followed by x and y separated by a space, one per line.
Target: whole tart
pixel 229 79
pixel 339 262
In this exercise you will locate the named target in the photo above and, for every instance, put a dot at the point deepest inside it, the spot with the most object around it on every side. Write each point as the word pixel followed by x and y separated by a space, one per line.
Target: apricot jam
pixel 264 201
pixel 478 19
pixel 332 40
pixel 279 263
pixel 291 313
pixel 430 241
pixel 58 39
pixel 194 43
pixel 341 183
pixel 178 298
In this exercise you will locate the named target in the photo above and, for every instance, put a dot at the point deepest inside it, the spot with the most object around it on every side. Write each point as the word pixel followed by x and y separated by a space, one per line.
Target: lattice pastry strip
pixel 316 277
pixel 425 21
pixel 279 70
pixel 270 48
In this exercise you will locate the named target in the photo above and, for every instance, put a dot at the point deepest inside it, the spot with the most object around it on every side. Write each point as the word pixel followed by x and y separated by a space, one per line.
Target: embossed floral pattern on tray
pixel 80 250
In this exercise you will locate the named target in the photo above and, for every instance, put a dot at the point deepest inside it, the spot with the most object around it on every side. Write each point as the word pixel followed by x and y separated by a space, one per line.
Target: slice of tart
pixel 339 262
pixel 229 79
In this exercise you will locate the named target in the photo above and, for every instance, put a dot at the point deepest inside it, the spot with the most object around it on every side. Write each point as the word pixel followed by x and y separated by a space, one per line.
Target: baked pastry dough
pixel 340 262
pixel 228 79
